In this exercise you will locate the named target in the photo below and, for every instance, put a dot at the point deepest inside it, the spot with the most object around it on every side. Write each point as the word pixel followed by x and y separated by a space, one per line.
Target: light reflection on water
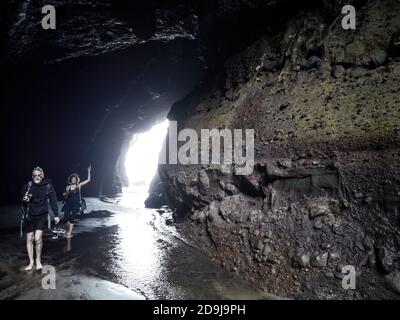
pixel 140 247
pixel 132 247
pixel 139 251
pixel 133 198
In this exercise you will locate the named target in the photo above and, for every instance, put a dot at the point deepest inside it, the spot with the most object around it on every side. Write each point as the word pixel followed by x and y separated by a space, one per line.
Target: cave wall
pixel 325 190
pixel 323 102
pixel 71 96
pixel 68 115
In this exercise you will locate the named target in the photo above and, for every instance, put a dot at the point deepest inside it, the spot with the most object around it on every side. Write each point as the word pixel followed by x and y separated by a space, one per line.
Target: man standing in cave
pixel 37 194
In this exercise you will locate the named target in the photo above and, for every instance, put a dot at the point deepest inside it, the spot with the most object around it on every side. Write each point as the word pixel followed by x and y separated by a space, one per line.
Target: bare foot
pixel 29 267
pixel 38 266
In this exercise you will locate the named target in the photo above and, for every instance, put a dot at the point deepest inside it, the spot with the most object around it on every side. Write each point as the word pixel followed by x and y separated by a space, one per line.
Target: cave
pixel 323 193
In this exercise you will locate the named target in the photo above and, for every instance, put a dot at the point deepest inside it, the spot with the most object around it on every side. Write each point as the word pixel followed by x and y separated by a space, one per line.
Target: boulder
pixel 317 210
pixel 393 281
pixel 385 260
pixel 338 72
pixel 266 251
pixel 213 210
pixel 302 261
pixel 378 57
pixel 353 52
pixel 204 182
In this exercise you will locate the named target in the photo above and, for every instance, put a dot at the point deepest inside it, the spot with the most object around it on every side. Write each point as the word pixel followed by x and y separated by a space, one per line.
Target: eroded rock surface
pixel 325 189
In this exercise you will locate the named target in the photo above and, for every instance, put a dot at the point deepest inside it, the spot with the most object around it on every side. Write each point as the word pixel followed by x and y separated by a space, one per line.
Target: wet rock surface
pixel 119 252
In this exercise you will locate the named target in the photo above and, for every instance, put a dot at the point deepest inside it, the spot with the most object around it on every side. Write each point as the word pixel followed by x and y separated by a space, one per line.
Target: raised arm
pixel 88 178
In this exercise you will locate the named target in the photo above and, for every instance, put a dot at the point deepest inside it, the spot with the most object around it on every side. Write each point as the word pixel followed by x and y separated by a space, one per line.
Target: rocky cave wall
pixel 74 95
pixel 325 190
pixel 323 102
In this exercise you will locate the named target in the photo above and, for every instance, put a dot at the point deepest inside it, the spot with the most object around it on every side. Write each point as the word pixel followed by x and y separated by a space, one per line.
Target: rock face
pixel 325 189
pixel 110 69
pixel 157 197
pixel 88 28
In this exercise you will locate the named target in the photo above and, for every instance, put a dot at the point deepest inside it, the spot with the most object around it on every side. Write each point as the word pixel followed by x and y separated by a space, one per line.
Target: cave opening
pixel 141 162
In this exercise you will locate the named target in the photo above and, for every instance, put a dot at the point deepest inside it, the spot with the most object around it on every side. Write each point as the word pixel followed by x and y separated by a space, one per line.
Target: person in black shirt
pixel 73 199
pixel 36 195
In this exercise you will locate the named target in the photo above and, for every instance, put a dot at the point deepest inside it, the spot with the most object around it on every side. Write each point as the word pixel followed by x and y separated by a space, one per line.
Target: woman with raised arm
pixel 73 199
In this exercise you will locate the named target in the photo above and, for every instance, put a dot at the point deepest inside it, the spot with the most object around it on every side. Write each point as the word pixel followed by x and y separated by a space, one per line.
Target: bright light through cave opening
pixel 142 161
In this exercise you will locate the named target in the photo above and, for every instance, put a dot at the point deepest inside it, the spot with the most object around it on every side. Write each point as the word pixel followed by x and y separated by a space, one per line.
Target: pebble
pixel 333 257
pixel 259 245
pixel 320 260
pixel 303 260
pixel 319 210
pixel 266 251
pixel 318 224
pixel 378 57
pixel 346 204
pixel 285 163
pixel 358 195
pixel 329 219
pixel 368 200
pixel 338 71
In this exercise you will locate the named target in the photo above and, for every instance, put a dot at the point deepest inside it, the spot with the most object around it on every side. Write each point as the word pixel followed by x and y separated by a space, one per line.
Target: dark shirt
pixel 74 196
pixel 42 193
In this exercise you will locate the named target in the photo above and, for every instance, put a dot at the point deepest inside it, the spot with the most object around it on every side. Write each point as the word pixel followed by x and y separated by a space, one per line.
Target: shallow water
pixel 119 251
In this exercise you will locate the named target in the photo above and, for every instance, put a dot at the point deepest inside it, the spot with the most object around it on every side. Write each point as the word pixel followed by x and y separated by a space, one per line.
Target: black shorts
pixel 34 223
pixel 70 214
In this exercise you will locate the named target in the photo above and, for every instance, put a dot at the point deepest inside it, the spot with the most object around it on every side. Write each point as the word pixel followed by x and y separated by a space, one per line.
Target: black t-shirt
pixel 42 193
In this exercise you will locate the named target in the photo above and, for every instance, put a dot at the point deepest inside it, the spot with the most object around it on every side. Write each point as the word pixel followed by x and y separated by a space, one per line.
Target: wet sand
pixel 118 251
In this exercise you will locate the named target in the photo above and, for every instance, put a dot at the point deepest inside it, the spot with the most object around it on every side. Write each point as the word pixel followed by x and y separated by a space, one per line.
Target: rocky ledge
pixel 325 190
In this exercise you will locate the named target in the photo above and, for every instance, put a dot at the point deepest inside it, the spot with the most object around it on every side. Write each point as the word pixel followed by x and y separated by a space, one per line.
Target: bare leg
pixel 29 248
pixel 39 246
pixel 70 228
pixel 68 245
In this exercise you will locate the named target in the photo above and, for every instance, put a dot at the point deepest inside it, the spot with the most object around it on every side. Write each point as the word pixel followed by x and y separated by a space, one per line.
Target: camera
pixel 27 197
